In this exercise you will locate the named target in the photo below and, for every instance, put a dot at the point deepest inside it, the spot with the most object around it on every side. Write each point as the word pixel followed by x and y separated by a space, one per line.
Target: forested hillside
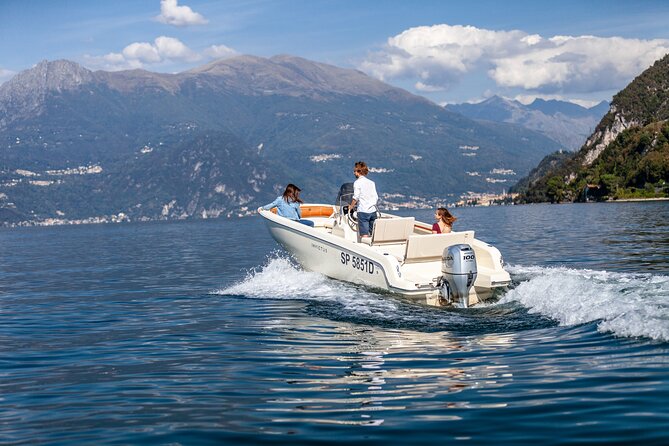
pixel 626 157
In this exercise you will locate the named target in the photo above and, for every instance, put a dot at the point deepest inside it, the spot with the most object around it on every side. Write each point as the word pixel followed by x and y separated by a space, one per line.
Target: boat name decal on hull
pixel 319 247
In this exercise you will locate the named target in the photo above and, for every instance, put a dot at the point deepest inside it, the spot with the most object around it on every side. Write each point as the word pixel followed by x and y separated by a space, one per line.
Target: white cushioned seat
pixel 427 248
pixel 392 230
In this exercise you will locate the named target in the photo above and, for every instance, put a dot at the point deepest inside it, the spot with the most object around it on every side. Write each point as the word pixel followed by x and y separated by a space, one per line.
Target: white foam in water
pixel 279 278
pixel 627 305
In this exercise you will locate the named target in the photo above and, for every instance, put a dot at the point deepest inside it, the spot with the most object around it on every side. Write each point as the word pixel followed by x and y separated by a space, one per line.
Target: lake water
pixel 205 333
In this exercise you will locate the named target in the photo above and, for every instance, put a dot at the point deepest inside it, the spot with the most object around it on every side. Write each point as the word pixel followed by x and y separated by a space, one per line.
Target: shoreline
pixel 628 200
pixel 122 218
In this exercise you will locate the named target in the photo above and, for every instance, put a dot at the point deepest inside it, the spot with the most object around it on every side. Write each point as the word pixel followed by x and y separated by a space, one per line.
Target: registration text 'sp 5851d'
pixel 357 262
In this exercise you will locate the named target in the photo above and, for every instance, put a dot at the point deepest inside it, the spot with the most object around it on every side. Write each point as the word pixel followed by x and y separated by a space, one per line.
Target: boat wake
pixel 627 305
pixel 281 278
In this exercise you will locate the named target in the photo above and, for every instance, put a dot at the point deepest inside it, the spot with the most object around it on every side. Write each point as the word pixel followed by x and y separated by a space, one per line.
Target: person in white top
pixel 365 197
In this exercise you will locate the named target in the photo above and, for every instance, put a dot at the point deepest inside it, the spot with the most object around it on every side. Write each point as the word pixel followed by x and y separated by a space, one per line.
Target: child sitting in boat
pixel 288 205
pixel 444 223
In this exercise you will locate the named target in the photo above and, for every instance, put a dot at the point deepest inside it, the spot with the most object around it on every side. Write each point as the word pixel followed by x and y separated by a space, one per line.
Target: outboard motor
pixel 458 268
pixel 345 194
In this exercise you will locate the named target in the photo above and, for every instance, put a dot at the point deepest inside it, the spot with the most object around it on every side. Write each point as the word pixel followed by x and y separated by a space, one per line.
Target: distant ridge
pixel 292 75
pixel 552 107
pixel 566 123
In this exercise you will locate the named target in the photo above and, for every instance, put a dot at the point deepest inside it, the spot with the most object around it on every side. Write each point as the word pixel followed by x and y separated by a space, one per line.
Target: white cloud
pixel 584 103
pixel 141 51
pixel 419 86
pixel 529 98
pixel 5 75
pixel 171 48
pixel 219 52
pixel 439 56
pixel 163 50
pixel 173 14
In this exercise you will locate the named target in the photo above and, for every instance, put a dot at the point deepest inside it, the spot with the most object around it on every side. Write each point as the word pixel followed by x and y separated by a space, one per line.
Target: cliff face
pixel 644 101
pixel 633 135
pixel 599 140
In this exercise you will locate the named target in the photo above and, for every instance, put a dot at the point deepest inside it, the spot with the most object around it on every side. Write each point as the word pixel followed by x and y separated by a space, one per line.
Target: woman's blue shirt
pixel 289 210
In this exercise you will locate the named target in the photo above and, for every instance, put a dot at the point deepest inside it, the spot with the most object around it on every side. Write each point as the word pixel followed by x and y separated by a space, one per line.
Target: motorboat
pixel 402 256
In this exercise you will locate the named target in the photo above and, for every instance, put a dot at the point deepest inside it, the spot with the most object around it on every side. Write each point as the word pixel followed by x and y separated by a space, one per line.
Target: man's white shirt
pixel 364 193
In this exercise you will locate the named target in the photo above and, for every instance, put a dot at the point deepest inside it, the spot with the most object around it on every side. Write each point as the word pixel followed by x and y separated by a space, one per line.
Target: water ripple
pixel 169 334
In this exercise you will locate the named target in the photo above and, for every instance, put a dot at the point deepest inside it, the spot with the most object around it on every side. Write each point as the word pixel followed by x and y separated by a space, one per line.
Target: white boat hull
pixel 406 267
pixel 317 253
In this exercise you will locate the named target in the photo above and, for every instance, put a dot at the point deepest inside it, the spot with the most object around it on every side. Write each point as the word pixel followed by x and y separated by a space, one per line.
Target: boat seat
pixel 310 210
pixel 392 230
pixel 322 222
pixel 428 248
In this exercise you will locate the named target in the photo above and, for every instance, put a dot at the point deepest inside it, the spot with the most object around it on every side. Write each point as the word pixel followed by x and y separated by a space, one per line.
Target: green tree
pixel 555 189
pixel 610 183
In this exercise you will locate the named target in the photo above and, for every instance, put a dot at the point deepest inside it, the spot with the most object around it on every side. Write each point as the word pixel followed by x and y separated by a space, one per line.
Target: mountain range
pixel 627 155
pixel 224 137
pixel 566 123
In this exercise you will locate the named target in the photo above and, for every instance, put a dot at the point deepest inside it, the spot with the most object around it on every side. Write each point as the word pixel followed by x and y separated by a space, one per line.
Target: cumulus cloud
pixel 163 50
pixel 439 56
pixel 173 14
pixel 143 52
pixel 171 48
pixel 139 54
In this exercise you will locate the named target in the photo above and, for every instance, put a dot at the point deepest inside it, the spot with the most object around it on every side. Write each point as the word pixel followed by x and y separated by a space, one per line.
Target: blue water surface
pixel 204 332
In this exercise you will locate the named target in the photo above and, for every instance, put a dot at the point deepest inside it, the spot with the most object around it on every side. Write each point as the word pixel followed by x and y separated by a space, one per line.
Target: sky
pixel 448 51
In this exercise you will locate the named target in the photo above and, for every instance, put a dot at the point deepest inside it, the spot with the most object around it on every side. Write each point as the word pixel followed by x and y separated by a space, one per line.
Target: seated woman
pixel 288 205
pixel 444 222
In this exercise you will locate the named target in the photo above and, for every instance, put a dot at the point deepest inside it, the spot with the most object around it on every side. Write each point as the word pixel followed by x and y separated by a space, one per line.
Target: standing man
pixel 365 196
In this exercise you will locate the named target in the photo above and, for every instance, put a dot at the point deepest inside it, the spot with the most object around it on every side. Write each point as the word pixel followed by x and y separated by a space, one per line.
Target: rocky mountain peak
pixel 498 100
pixel 47 75
pixel 25 93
